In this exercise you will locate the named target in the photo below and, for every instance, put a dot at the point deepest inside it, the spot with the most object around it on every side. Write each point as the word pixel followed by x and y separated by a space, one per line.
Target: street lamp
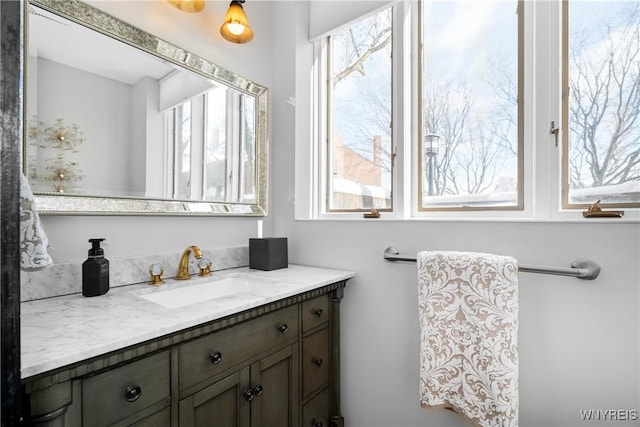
pixel 431 147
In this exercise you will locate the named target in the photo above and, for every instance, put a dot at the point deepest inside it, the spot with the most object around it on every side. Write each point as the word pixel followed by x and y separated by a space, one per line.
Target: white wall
pixel 106 127
pixel 144 115
pixel 578 340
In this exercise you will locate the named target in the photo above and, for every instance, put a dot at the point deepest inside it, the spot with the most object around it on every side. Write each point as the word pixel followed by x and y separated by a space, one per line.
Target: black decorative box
pixel 268 253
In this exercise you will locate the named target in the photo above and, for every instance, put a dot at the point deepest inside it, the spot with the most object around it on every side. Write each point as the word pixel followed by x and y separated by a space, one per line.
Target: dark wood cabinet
pixel 275 388
pixel 261 394
pixel 274 365
pixel 316 413
pixel 315 362
pixel 320 364
pixel 119 393
pixel 156 419
pixel 220 404
pixel 214 354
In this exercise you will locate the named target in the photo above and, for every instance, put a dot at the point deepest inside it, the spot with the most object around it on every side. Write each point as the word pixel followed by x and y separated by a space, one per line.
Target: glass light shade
pixel 431 143
pixel 235 27
pixel 190 6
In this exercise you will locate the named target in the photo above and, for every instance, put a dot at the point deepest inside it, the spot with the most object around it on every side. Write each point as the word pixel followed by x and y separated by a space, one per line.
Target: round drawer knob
pixel 258 390
pixel 317 362
pixel 319 312
pixel 132 393
pixel 283 328
pixel 215 358
pixel 248 395
pixel 316 423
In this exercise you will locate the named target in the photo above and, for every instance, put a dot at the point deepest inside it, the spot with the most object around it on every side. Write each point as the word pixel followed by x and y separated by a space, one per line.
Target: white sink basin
pixel 199 291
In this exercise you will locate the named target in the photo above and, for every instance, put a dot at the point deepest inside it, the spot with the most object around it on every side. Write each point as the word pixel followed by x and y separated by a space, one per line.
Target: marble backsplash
pixel 66 278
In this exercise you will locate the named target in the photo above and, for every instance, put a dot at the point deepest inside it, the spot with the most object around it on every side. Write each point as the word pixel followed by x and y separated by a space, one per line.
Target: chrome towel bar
pixel 581 269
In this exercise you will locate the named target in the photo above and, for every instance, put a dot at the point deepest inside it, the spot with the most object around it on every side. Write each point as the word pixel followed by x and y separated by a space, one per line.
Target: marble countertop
pixel 59 331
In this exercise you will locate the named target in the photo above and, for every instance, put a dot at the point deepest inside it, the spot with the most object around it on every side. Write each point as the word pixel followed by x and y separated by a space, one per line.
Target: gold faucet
pixel 183 267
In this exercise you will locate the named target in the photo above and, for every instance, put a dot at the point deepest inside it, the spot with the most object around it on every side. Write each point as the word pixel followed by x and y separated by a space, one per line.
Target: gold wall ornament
pixel 54 144
pixel 62 136
pixel 62 174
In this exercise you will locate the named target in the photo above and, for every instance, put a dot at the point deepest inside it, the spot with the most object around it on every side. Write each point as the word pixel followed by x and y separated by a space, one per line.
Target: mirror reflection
pixel 107 119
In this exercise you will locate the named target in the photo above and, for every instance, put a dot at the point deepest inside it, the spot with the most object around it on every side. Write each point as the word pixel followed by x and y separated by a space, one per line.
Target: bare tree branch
pixel 379 43
pixel 605 107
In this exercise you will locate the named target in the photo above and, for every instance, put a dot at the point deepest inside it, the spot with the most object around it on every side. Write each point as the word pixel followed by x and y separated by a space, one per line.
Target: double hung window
pixel 359 132
pixel 470 144
pixel 601 102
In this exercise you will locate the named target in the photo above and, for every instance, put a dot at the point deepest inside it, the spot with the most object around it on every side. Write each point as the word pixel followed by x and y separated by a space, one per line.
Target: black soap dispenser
pixel 95 271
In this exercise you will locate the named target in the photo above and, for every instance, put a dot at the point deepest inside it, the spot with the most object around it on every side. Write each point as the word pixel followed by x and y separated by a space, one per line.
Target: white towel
pixel 33 240
pixel 468 304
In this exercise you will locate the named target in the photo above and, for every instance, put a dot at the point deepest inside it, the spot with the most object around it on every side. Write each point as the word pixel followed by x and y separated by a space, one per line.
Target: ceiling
pixel 57 39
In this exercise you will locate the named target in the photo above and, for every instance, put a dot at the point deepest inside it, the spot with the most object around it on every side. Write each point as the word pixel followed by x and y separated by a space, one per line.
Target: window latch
pixel 595 211
pixel 554 131
pixel 373 214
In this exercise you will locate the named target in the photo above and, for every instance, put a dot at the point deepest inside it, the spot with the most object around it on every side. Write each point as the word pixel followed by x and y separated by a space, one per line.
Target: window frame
pixel 195 184
pixel 519 206
pixel 327 137
pixel 565 122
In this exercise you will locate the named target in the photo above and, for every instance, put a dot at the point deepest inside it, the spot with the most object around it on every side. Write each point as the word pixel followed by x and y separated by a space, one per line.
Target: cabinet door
pixel 275 383
pixel 222 404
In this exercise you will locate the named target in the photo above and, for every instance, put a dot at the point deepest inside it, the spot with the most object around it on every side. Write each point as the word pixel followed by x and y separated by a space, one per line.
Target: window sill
pixel 631 216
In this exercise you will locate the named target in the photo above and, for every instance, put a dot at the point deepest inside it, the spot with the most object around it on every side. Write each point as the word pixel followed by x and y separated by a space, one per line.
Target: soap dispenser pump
pixel 95 271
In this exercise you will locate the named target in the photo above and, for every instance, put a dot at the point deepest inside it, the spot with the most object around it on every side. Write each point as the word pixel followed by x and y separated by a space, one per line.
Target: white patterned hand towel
pixel 33 240
pixel 468 304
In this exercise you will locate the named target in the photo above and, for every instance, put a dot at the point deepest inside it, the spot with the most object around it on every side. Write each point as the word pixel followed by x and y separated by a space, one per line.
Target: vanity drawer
pixel 213 354
pixel 159 419
pixel 316 412
pixel 118 393
pixel 315 312
pixel 315 361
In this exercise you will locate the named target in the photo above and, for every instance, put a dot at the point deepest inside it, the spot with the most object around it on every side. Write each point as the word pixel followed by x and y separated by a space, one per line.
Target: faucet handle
pixel 156 270
pixel 204 264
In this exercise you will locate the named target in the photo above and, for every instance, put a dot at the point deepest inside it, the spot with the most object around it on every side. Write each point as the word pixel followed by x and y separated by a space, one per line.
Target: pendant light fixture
pixel 190 6
pixel 235 27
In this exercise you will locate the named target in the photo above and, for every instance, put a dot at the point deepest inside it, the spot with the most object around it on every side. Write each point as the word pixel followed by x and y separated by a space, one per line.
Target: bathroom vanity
pixel 243 347
pixel 262 351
